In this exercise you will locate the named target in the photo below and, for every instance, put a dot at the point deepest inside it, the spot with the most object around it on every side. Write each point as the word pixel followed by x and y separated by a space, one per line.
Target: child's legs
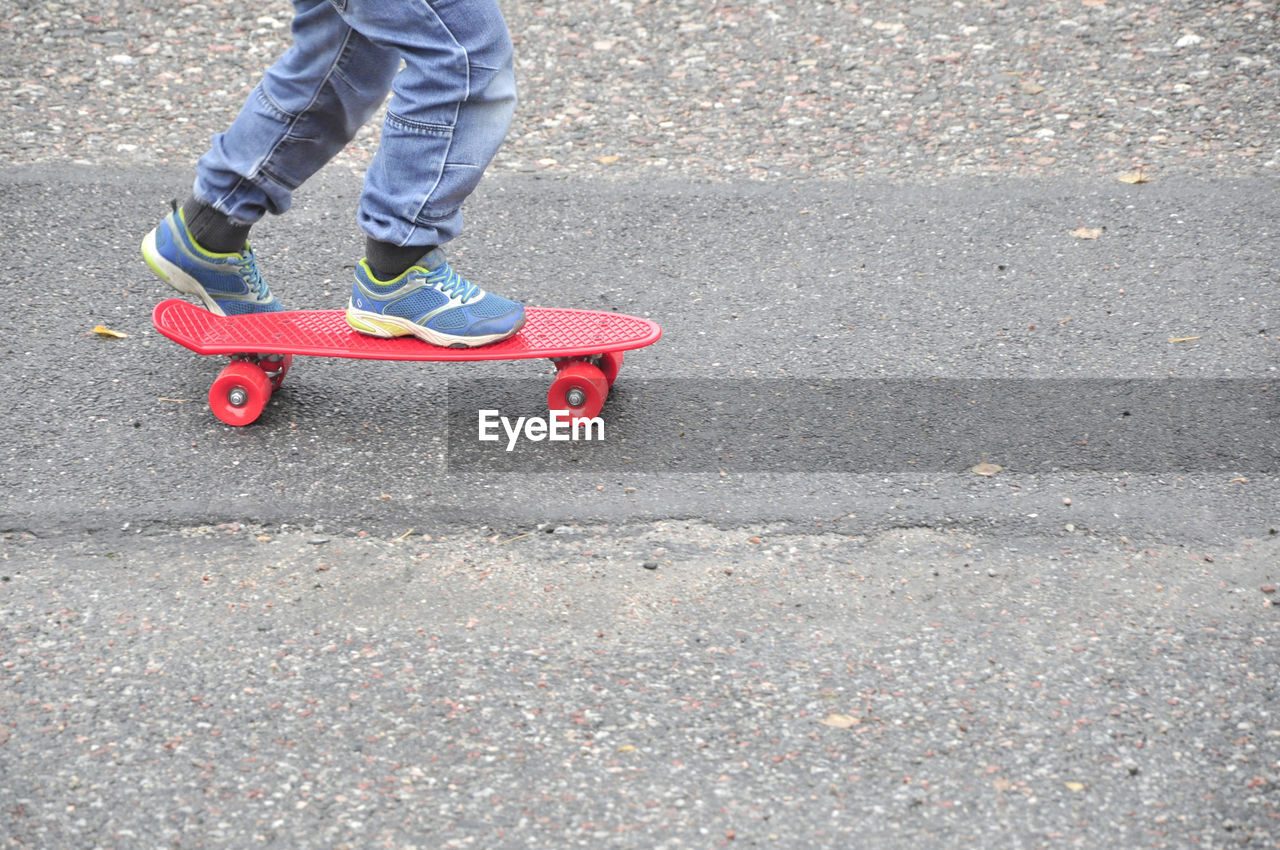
pixel 450 109
pixel 306 108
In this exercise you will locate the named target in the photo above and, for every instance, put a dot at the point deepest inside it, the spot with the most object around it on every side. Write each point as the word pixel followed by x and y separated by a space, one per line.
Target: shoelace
pixel 452 284
pixel 253 277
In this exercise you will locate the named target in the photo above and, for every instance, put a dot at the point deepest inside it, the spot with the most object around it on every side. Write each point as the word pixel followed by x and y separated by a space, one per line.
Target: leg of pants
pixel 302 113
pixel 451 107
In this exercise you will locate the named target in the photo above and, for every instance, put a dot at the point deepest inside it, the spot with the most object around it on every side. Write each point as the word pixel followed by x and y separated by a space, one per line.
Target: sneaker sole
pixel 387 327
pixel 174 275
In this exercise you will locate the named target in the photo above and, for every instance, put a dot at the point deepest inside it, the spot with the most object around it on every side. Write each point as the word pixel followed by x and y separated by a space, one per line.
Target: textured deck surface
pixel 549 332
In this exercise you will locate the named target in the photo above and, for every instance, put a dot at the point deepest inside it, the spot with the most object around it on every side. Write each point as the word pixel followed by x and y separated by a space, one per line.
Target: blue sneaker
pixel 228 284
pixel 432 302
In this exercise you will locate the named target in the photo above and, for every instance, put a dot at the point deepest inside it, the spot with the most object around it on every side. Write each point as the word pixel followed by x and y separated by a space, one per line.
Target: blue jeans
pixel 450 109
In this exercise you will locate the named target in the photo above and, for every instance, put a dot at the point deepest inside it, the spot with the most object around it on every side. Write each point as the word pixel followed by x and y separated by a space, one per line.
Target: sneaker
pixel 432 302
pixel 228 284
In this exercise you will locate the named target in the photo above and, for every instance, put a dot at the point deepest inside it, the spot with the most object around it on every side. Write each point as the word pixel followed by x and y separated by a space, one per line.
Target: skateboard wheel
pixel 610 363
pixel 580 388
pixel 239 393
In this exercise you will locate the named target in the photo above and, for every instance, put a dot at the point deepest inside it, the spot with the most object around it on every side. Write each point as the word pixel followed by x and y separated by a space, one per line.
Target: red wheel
pixel 239 393
pixel 580 389
pixel 610 363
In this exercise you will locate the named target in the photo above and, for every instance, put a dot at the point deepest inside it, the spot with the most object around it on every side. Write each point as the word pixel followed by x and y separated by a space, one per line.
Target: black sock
pixel 388 260
pixel 212 230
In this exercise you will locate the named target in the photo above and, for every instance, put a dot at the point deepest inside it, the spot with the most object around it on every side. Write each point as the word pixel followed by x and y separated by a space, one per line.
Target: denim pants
pixel 451 106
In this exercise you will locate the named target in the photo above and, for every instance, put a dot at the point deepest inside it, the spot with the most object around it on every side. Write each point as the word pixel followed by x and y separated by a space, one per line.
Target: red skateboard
pixel 586 347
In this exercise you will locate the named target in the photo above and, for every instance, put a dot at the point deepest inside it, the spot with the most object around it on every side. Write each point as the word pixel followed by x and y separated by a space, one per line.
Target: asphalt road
pixel 793 315
pixel 776 606
pixel 726 623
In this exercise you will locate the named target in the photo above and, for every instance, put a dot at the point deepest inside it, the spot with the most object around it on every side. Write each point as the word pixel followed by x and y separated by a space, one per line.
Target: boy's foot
pixel 228 284
pixel 432 302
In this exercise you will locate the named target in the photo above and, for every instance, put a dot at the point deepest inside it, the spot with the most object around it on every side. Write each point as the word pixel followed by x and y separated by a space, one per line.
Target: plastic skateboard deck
pixel 586 346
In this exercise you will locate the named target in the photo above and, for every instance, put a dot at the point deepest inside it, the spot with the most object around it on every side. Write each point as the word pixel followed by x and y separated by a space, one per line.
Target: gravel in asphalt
pixel 719 90
pixel 665 685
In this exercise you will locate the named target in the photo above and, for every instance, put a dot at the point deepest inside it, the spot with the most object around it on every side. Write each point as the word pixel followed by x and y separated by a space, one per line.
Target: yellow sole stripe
pixel 376 328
